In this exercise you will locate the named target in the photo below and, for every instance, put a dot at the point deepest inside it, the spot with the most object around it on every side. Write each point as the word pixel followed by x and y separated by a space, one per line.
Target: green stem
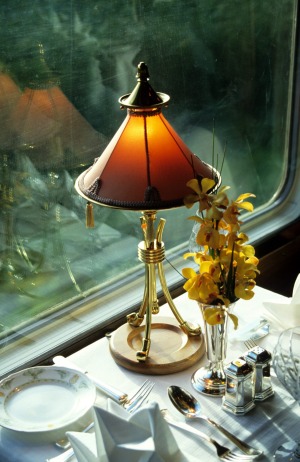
pixel 230 283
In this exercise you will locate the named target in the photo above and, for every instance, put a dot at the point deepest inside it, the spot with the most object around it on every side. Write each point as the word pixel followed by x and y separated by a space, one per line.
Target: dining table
pixel 269 424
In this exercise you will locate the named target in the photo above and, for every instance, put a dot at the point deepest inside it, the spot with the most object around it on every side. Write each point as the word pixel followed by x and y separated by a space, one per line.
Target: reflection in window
pixel 63 67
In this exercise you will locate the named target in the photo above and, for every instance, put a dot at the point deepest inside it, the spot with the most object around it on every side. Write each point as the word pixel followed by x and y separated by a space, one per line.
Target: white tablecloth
pixel 270 423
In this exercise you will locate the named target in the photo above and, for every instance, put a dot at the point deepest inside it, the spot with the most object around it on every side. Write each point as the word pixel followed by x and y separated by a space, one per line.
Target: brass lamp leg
pixel 151 283
pixel 185 326
pixel 151 251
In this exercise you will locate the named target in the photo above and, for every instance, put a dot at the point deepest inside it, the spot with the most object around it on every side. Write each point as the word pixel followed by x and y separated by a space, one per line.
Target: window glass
pixel 64 64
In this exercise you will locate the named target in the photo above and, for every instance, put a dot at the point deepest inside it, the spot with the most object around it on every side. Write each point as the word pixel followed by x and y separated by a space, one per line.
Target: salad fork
pixel 222 452
pixel 250 343
pixel 131 404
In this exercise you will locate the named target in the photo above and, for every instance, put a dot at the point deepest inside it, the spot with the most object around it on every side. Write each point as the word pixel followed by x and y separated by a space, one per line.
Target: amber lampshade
pixel 146 165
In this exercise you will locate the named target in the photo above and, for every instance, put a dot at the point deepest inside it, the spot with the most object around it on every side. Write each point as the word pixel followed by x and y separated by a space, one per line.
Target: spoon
pixel 190 407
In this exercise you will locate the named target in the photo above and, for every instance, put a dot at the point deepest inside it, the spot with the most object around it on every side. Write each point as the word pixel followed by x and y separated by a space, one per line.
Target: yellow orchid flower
pixel 246 266
pixel 214 213
pixel 244 289
pixel 231 214
pixel 249 251
pixel 242 238
pixel 228 257
pixel 192 282
pixel 209 236
pixel 200 286
pixel 216 315
pixel 201 196
pixel 227 265
pixel 198 257
pixel 189 254
pixel 244 205
pixel 220 198
pixel 208 290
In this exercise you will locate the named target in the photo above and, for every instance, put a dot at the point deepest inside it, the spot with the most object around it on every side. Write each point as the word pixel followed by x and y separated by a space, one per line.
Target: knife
pixel 109 390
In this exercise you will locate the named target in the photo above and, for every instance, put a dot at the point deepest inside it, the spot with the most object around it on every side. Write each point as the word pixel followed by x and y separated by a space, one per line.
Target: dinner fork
pixel 250 343
pixel 131 404
pixel 222 452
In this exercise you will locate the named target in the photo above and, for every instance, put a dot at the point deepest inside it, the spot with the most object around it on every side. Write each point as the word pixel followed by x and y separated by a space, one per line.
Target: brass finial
pixel 143 96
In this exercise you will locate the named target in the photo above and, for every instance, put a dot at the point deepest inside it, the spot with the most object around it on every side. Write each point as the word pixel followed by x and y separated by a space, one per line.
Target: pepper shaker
pixel 238 397
pixel 260 359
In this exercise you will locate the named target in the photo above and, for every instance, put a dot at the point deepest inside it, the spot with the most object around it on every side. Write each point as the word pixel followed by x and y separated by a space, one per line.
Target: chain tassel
pixel 90 223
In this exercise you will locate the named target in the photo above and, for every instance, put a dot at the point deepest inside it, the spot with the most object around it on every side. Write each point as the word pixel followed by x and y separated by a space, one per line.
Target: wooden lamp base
pixel 172 350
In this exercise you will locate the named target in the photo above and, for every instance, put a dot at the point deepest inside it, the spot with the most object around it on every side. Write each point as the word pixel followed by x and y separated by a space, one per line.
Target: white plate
pixel 40 399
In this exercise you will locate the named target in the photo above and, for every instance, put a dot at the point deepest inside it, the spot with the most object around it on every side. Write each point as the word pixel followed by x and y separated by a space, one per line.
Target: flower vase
pixel 193 246
pixel 211 379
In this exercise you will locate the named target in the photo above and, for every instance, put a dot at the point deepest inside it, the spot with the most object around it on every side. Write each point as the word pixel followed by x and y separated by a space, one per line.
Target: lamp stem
pixel 151 251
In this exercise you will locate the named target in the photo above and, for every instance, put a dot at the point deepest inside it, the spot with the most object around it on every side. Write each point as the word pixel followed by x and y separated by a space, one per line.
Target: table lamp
pixel 145 168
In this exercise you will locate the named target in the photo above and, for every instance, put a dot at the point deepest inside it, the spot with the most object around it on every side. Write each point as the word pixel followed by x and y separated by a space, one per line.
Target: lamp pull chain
pixel 90 222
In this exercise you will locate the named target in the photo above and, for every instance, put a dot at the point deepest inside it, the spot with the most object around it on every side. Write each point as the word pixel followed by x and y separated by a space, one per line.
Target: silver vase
pixel 211 379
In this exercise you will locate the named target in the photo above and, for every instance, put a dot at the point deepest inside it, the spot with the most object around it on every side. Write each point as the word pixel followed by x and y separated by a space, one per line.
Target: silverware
pixel 131 404
pixel 222 452
pixel 260 331
pixel 190 407
pixel 255 330
pixel 250 343
pixel 110 391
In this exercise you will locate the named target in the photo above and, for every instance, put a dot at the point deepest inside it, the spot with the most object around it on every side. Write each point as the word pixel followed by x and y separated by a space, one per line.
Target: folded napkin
pixel 120 436
pixel 285 314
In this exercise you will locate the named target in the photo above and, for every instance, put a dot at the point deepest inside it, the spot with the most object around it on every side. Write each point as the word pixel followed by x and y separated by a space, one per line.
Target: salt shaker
pixel 238 397
pixel 260 359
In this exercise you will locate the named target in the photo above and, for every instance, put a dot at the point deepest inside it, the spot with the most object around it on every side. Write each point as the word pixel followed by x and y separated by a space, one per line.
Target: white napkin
pixel 285 314
pixel 119 436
